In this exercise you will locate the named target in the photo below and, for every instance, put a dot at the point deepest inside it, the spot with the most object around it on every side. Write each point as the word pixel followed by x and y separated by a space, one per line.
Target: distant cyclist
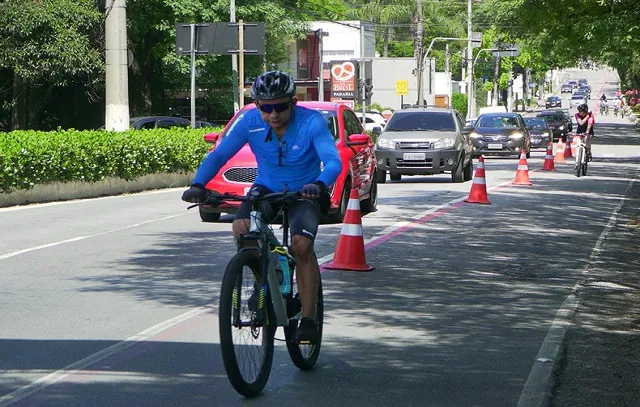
pixel 585 121
pixel 604 107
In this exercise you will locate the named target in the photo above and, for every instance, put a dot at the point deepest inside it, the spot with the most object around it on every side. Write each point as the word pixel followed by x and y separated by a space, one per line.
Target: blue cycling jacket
pixel 293 161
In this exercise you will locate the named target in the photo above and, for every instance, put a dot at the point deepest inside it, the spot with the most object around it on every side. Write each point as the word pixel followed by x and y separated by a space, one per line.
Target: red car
pixel 354 146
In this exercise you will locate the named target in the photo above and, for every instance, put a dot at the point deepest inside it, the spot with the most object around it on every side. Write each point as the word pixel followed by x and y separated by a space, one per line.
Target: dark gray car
pixel 500 134
pixel 424 141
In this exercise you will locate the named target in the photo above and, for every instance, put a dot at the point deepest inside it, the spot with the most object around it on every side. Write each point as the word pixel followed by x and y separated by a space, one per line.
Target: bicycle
pixel 581 155
pixel 252 304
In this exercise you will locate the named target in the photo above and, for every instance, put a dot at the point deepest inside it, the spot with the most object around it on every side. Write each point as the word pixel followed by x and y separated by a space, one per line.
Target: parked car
pixel 558 123
pixel 354 146
pixel 500 134
pixel 539 131
pixel 424 141
pixel 553 101
pixel 566 88
pixel 155 122
pixel 202 123
pixel 373 120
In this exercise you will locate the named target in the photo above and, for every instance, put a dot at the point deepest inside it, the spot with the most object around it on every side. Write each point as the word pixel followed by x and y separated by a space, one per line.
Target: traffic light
pixel 368 89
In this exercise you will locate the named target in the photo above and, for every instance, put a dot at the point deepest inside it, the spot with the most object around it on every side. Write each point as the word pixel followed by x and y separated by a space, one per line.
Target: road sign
pixel 476 39
pixel 343 80
pixel 507 50
pixel 221 38
pixel 402 87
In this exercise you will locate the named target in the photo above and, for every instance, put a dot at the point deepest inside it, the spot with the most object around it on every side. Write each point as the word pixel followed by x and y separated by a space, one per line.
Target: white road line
pixel 539 384
pixel 90 360
pixel 75 239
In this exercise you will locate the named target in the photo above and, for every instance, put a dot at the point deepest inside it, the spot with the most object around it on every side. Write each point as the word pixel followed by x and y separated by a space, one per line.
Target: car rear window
pixel 577 97
pixel 552 117
pixel 421 121
pixel 498 121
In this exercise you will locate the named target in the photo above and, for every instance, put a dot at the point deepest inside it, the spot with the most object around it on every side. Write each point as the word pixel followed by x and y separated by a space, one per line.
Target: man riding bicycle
pixel 585 121
pixel 290 142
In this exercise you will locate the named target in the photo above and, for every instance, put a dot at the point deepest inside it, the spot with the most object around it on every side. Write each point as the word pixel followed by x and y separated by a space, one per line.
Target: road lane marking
pixel 90 360
pixel 539 385
pixel 76 239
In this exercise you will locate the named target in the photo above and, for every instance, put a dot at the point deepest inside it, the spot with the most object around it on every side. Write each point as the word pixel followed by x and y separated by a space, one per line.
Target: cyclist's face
pixel 276 112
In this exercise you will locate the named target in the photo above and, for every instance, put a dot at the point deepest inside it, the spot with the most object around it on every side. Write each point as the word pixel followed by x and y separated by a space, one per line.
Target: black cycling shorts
pixel 304 214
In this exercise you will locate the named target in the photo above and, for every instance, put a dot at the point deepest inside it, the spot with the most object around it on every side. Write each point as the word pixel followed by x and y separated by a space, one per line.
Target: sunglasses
pixel 278 107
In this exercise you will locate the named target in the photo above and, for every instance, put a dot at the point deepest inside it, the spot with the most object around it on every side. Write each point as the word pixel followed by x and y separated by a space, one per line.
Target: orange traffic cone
pixel 559 157
pixel 478 193
pixel 567 150
pixel 349 253
pixel 522 175
pixel 548 159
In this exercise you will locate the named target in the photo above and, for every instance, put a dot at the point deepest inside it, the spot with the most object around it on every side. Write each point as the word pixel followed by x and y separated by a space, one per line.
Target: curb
pixel 63 191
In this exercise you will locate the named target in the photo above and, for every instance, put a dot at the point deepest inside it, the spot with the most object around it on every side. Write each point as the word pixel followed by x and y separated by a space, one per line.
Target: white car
pixel 373 119
pixel 577 100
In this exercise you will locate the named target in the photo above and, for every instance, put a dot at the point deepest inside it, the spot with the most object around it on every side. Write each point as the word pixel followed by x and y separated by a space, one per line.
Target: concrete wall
pixel 386 71
pixel 64 191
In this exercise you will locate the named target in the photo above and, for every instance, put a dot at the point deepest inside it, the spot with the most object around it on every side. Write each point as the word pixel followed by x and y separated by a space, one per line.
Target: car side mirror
pixel 211 137
pixel 467 129
pixel 376 131
pixel 358 140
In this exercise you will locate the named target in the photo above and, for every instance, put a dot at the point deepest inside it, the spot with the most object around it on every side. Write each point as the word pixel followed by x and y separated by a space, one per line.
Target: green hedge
pixel 28 158
pixel 459 102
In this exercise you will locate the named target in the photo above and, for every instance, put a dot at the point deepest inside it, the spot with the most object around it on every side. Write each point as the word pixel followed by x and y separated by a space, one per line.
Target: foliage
pixel 48 42
pixel 459 102
pixel 31 157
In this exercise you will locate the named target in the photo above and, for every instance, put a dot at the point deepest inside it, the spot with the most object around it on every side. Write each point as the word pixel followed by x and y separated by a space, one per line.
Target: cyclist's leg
pixel 304 218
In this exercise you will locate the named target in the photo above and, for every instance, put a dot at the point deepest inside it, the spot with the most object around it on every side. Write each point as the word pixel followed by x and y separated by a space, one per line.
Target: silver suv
pixel 424 141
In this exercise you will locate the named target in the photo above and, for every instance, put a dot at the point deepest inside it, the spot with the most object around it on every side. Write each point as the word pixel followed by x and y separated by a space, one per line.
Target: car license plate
pixel 413 156
pixel 495 146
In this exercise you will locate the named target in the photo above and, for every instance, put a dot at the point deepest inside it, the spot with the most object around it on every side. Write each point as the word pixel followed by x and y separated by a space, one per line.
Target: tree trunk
pixel 385 44
pixel 19 100
pixel 496 78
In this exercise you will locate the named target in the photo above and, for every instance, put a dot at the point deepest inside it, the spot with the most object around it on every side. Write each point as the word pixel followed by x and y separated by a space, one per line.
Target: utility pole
pixel 319 35
pixel 362 83
pixel 447 72
pixel 117 70
pixel 470 92
pixel 418 50
pixel 234 62
pixel 241 63
pixel 193 76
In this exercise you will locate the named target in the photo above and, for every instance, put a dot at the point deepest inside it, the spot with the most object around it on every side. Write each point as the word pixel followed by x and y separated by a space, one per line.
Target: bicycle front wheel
pixel 579 162
pixel 305 356
pixel 246 338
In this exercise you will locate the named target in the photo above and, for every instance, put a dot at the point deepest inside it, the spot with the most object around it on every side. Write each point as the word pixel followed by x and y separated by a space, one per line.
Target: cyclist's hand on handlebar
pixel 314 190
pixel 196 194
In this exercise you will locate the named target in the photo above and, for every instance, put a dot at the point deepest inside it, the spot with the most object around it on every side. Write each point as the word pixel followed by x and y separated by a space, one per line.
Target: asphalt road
pixel 113 301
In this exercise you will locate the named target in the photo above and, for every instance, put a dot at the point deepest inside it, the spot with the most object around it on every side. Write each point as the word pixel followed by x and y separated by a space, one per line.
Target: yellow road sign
pixel 402 88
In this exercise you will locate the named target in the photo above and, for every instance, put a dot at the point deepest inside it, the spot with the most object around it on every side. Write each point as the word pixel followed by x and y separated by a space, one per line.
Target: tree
pixel 47 44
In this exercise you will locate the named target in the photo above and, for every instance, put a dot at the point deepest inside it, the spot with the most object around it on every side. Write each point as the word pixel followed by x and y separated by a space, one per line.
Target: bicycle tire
pixel 304 357
pixel 579 162
pixel 249 385
pixel 584 168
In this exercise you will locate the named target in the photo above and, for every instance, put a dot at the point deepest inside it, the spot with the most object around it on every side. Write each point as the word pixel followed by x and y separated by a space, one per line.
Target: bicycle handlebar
pixel 216 199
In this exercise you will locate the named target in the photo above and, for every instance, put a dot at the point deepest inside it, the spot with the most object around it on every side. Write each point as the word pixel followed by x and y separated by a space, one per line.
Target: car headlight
pixel 473 134
pixel 561 127
pixel 517 134
pixel 386 143
pixel 444 143
pixel 545 134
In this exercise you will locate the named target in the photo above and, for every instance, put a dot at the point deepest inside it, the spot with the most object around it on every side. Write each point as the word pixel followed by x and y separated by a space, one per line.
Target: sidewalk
pixel 601 363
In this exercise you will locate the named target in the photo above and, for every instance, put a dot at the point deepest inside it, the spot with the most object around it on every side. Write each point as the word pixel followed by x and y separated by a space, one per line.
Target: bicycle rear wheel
pixel 305 356
pixel 246 341
pixel 584 168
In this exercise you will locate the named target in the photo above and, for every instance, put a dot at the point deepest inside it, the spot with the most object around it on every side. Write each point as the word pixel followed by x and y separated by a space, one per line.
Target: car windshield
pixel 552 117
pixel 577 97
pixel 535 123
pixel 421 121
pixel 498 121
pixel 329 116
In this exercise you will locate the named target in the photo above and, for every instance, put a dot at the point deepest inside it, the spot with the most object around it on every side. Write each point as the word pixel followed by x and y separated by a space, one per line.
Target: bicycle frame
pixel 260 230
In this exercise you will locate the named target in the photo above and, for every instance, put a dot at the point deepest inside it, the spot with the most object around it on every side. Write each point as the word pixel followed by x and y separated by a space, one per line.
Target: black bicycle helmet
pixel 583 108
pixel 273 85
